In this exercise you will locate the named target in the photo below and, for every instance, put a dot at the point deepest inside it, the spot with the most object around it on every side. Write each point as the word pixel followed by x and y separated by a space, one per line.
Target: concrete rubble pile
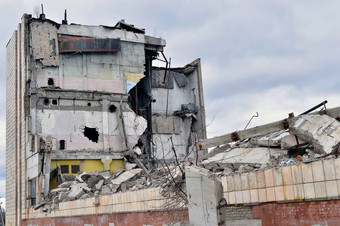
pixel 96 183
pixel 309 138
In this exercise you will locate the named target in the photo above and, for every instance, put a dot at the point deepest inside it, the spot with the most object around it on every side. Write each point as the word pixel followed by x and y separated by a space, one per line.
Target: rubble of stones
pixel 96 183
pixel 309 138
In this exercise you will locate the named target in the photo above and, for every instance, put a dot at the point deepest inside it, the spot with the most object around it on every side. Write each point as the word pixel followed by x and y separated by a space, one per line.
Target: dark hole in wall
pixel 62 144
pixel 50 82
pixel 75 168
pixel 91 133
pixel 46 101
pixel 64 169
pixel 54 102
pixel 112 108
pixel 89 104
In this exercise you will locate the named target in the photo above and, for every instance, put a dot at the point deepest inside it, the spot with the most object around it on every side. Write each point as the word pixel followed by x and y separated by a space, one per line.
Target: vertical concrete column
pixel 105 105
pixel 206 204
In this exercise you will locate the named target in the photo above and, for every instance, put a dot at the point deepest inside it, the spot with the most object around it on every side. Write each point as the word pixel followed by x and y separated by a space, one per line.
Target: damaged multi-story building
pixel 85 98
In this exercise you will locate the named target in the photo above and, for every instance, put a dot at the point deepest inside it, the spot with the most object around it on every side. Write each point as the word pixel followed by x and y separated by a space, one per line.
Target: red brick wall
pixel 302 213
pixel 156 218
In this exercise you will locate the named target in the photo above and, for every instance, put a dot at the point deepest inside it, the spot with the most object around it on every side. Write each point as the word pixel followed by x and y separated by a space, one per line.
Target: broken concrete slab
pixel 322 131
pixel 57 190
pixel 216 151
pixel 130 166
pixel 99 185
pixel 206 204
pixel 76 193
pixel 125 176
pixel 291 141
pixel 244 156
pixel 66 184
pixel 269 140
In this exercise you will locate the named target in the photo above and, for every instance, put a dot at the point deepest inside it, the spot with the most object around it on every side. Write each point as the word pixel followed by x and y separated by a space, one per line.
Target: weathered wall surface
pixel 11 110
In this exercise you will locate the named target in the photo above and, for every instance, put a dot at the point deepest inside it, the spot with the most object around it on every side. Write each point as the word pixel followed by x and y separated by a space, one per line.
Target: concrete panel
pixel 237 181
pixel 332 189
pixel 287 175
pixel 296 174
pixel 320 190
pixel 254 196
pixel 262 195
pixel 244 181
pixel 204 195
pixel 279 195
pixel 329 169
pixel 307 173
pixel 246 196
pixel 269 177
pixel 318 172
pixel 278 177
pixel 270 194
pixel 288 192
pixel 252 180
pixel 260 179
pixel 299 193
pixel 309 190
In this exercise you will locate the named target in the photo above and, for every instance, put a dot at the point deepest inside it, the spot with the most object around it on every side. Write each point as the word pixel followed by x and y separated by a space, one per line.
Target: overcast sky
pixel 270 57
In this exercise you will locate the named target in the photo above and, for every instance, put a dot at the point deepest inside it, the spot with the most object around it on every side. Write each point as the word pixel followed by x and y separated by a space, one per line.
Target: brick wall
pixel 152 218
pixel 239 213
pixel 301 213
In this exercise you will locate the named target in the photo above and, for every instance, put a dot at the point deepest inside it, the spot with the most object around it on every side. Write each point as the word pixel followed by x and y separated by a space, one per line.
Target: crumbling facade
pixel 85 98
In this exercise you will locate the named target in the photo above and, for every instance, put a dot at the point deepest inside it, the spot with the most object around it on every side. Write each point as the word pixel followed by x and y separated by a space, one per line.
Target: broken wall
pixel 178 111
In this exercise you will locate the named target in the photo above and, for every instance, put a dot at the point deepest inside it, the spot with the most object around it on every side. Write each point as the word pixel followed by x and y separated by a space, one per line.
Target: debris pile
pixel 309 138
pixel 96 183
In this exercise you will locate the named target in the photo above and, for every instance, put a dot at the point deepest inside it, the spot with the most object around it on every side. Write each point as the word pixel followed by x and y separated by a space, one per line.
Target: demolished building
pixel 98 136
pixel 87 98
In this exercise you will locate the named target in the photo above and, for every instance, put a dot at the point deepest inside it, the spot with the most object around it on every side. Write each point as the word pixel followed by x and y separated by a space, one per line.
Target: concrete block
pixel 329 169
pixel 288 192
pixel 278 177
pixel 307 173
pixel 320 190
pixel 246 196
pixel 287 175
pixel 270 194
pixel 260 179
pixel 318 173
pixel 239 197
pixel 279 195
pixel 296 174
pixel 252 180
pixel 269 178
pixel 237 181
pixel 244 181
pixel 254 196
pixel 230 183
pixel 337 168
pixel 309 190
pixel 331 189
pixel 262 195
pixel 299 192
pixel 322 131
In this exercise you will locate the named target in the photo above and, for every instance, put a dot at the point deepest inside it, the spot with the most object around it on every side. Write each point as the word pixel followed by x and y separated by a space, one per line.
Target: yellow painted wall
pixel 85 165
